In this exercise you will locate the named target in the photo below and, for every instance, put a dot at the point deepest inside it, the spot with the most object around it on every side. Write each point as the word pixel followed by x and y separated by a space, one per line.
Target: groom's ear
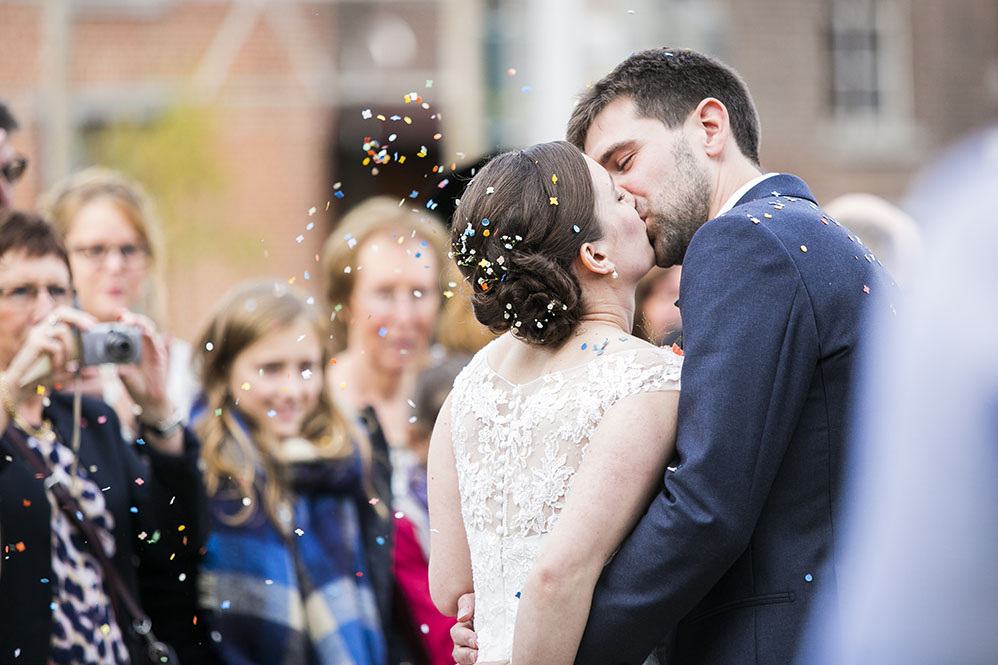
pixel 713 126
pixel 594 260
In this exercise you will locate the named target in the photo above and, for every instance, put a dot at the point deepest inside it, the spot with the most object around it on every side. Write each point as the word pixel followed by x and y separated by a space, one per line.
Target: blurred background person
pixel 56 603
pixel 296 563
pixel 412 548
pixel 889 232
pixel 116 251
pixel 386 272
pixel 918 585
pixel 657 318
pixel 12 165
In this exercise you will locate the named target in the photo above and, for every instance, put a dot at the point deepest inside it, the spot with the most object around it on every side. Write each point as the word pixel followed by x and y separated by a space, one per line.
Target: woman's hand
pixel 49 353
pixel 146 382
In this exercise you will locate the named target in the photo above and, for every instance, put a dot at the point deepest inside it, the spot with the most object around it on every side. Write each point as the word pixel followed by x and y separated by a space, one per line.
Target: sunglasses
pixel 14 169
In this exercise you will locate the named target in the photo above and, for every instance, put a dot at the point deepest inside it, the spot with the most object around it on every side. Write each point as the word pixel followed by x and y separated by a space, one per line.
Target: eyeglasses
pixel 130 254
pixel 27 294
pixel 15 168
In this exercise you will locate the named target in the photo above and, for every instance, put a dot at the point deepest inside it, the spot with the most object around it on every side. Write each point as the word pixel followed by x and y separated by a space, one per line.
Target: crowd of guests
pixel 258 497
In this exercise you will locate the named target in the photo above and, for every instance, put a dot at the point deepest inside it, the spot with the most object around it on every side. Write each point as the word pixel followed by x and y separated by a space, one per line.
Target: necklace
pixel 43 432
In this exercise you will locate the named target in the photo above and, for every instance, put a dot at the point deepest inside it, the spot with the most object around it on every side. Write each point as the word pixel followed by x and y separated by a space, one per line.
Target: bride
pixel 555 436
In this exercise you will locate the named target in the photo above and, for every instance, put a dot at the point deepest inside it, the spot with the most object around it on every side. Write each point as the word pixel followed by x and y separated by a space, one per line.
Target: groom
pixel 732 553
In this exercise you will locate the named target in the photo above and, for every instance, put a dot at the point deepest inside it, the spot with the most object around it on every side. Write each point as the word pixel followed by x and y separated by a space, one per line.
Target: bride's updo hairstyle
pixel 516 233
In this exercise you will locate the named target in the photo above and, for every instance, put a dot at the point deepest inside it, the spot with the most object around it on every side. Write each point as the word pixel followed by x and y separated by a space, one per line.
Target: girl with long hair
pixel 293 569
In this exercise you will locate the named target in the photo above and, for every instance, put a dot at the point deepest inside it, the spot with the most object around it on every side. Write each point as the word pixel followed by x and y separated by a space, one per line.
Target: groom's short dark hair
pixel 668 84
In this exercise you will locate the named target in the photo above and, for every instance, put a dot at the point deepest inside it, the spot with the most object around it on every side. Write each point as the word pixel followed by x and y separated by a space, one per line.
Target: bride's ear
pixel 594 260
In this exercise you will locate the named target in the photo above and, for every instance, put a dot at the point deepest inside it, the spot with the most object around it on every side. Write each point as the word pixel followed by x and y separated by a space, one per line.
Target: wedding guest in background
pixel 296 562
pixel 57 603
pixel 12 165
pixel 917 584
pixel 412 550
pixel 386 271
pixel 657 318
pixel 116 251
pixel 890 233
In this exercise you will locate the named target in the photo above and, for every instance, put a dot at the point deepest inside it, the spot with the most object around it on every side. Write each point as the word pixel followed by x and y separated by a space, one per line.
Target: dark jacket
pixel 732 552
pixel 154 519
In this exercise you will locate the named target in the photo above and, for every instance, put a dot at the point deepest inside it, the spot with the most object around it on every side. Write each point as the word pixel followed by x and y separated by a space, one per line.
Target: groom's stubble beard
pixel 678 212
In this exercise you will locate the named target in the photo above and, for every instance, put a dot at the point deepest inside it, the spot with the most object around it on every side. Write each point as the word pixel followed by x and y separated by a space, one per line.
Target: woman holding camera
pixel 116 252
pixel 60 600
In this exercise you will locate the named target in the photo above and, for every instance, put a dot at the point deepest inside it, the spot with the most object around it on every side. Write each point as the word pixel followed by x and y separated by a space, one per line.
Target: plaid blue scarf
pixel 305 599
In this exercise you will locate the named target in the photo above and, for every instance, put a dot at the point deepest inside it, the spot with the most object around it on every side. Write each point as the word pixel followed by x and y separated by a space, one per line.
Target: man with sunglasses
pixel 12 165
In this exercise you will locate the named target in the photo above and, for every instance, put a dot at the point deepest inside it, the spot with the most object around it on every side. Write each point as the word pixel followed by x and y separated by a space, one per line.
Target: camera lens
pixel 118 347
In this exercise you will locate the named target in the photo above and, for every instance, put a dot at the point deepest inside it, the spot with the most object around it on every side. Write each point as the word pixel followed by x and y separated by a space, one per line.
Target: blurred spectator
pixel 116 250
pixel 656 317
pixel 885 229
pixel 919 585
pixel 387 271
pixel 296 563
pixel 57 604
pixel 12 165
pixel 413 550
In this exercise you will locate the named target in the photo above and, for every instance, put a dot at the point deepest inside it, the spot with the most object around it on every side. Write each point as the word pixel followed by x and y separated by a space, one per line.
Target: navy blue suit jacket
pixel 732 552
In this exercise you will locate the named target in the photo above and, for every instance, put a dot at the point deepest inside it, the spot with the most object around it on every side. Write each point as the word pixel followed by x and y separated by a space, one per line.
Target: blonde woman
pixel 296 555
pixel 387 271
pixel 116 252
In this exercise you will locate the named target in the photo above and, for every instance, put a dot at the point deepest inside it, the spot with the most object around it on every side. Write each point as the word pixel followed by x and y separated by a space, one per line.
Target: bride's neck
pixel 610 305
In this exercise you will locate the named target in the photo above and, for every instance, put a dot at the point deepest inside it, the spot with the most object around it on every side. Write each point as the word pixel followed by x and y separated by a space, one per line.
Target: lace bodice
pixel 517 449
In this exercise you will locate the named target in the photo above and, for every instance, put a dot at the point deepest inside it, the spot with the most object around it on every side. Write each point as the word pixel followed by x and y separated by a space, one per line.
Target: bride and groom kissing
pixel 585 509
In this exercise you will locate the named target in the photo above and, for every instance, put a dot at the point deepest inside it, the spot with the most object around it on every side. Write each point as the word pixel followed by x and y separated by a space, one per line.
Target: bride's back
pixel 518 445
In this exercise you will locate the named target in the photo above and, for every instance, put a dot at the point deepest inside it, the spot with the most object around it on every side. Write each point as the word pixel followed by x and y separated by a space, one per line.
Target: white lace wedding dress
pixel 517 448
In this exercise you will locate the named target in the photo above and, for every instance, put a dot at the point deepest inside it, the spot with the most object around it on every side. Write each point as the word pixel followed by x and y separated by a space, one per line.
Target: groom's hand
pixel 462 633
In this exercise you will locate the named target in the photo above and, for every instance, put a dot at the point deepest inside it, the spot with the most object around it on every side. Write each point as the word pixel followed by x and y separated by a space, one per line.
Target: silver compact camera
pixel 111 343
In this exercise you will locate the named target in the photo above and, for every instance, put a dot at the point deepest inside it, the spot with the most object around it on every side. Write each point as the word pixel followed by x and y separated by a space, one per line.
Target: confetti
pixel 866 289
pixel 271 413
pixel 380 540
pixel 226 604
pixel 306 374
pixel 382 331
pixel 424 629
pixel 526 89
pixel 101 420
pixel 299 532
pixel 365 114
pixel 803 248
pixel 553 200
pixel 808 578
pixel 554 178
pixel 575 227
pixel 209 346
pixel 511 71
pixel 245 386
pixel 140 482
pixel 490 190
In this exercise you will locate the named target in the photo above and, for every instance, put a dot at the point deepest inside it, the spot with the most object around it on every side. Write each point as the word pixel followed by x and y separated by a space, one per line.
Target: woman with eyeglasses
pixel 58 602
pixel 116 251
